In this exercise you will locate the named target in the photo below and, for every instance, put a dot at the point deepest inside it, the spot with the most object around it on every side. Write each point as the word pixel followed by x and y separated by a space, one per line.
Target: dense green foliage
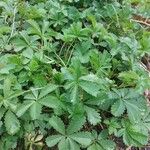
pixel 70 74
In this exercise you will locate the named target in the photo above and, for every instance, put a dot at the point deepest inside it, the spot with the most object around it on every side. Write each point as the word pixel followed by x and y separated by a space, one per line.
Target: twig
pixel 144 67
pixel 67 51
pixel 70 56
pixel 63 63
pixel 13 23
pixel 141 22
pixel 118 24
pixel 61 48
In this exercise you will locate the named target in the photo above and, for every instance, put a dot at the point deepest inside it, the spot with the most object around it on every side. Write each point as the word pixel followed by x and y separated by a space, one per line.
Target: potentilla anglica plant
pixel 71 75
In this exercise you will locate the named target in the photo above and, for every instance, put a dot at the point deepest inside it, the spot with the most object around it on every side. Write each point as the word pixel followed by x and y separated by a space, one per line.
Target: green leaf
pixel 118 108
pixel 133 135
pixel 7 69
pixel 132 101
pixel 53 140
pixel 7 87
pixel 82 51
pixel 76 32
pixel 57 124
pixel 1 123
pixel 101 62
pixel 24 107
pixel 103 144
pixel 2 111
pixel 12 124
pixel 48 89
pixel 113 125
pixel 94 147
pixel 64 144
pixel 76 123
pixel 93 116
pixel 71 66
pixel 91 88
pixel 74 94
pixel 33 96
pixel 4 29
pixel 35 27
pixel 33 65
pixel 91 84
pixel 146 120
pixel 73 145
pixel 136 109
pixel 35 110
pixel 28 53
pixel 100 141
pixel 83 138
pixel 50 101
pixel 91 78
pixel 129 77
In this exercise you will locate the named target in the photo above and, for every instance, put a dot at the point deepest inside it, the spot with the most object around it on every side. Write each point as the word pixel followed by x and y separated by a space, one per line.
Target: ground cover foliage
pixel 71 76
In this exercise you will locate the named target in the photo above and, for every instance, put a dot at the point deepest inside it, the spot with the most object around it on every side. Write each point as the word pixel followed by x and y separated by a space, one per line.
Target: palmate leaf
pixel 12 124
pixel 113 125
pixel 97 57
pixel 25 41
pixel 129 77
pixel 130 100
pixel 76 32
pixel 72 76
pixel 35 101
pixel 10 96
pixel 100 142
pixel 100 62
pixel 133 135
pixel 36 29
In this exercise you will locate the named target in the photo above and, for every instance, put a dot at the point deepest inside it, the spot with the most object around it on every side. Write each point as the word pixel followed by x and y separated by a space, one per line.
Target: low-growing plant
pixel 71 76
